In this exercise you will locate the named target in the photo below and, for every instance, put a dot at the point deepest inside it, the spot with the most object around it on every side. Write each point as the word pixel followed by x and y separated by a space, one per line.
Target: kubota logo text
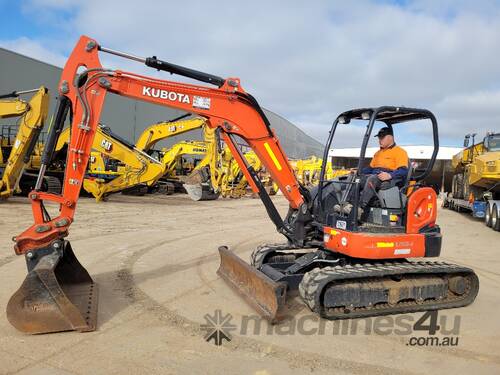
pixel 164 94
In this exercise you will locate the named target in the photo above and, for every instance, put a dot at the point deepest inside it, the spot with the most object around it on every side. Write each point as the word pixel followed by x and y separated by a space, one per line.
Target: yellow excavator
pixel 171 158
pixel 116 165
pixel 308 171
pixel 215 174
pixel 19 141
pixel 233 184
pixel 135 167
pixel 204 182
pixel 218 174
pixel 104 175
pixel 165 129
pixel 175 158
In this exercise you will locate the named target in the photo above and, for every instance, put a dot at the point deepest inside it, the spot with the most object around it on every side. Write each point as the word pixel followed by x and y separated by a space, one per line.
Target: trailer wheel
pixel 487 215
pixel 465 187
pixel 495 220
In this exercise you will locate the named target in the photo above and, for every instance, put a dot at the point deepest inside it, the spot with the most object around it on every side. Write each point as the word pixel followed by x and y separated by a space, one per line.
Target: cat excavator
pixel 117 165
pixel 18 143
pixel 136 167
pixel 342 269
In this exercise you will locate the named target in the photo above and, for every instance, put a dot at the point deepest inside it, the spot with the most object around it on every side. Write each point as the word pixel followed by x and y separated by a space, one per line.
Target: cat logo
pixel 106 145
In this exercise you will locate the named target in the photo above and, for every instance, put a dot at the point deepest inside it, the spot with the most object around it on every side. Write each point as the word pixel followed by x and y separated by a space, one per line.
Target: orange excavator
pixel 342 268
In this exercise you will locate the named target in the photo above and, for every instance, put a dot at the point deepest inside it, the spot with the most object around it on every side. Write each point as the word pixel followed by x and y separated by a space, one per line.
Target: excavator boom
pixel 82 93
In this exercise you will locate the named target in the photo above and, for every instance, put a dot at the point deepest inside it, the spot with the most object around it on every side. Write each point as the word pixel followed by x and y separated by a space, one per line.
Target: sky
pixel 305 60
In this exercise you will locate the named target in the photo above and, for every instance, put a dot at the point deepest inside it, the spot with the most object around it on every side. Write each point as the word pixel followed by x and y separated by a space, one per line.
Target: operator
pixel 388 168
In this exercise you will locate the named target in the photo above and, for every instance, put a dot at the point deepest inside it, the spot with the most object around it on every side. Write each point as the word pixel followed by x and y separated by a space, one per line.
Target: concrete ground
pixel 155 259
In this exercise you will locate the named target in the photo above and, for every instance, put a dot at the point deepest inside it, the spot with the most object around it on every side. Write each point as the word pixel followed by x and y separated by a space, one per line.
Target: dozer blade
pixel 263 294
pixel 57 295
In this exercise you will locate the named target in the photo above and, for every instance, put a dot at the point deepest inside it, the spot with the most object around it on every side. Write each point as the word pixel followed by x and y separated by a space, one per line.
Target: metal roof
pixel 388 114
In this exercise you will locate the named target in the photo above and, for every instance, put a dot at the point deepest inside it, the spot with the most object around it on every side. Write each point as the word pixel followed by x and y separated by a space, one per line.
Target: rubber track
pixel 315 281
pixel 258 255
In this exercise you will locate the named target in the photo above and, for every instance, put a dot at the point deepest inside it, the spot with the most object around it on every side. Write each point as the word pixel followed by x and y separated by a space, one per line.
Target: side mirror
pixel 466 140
pixel 486 143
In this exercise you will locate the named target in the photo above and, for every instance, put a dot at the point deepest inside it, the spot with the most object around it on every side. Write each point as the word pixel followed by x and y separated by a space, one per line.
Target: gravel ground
pixel 155 259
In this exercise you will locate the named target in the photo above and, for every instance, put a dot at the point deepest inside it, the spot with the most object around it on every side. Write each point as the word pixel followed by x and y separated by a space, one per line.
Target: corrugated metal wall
pixel 129 118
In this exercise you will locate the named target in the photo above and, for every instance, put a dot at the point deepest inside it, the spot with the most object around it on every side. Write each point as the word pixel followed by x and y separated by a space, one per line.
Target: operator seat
pixel 394 197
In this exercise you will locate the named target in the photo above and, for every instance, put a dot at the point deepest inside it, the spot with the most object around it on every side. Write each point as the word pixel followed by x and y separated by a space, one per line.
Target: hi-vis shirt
pixel 390 158
pixel 393 160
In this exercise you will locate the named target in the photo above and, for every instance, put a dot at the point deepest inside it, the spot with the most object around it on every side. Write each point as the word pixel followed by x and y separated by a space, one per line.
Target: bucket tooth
pixel 57 295
pixel 266 296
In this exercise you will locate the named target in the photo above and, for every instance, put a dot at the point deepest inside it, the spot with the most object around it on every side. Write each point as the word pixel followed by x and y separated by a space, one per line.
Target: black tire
pixel 454 188
pixel 495 219
pixel 465 187
pixel 487 215
pixel 457 186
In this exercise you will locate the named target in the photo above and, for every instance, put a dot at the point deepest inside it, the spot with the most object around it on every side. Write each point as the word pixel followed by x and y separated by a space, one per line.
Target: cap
pixel 383 132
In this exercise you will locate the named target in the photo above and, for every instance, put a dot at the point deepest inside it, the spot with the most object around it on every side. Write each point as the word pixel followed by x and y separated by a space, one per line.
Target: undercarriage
pixel 340 287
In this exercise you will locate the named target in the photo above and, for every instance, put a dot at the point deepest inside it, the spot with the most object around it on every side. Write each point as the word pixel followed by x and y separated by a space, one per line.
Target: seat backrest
pixel 411 168
pixel 393 196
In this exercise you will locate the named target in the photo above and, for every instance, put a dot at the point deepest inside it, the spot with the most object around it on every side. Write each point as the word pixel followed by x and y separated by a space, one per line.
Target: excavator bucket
pixel 57 295
pixel 199 187
pixel 266 296
pixel 201 192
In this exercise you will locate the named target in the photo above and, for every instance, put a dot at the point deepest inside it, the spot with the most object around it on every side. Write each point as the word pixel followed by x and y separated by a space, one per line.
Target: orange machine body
pixel 421 213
